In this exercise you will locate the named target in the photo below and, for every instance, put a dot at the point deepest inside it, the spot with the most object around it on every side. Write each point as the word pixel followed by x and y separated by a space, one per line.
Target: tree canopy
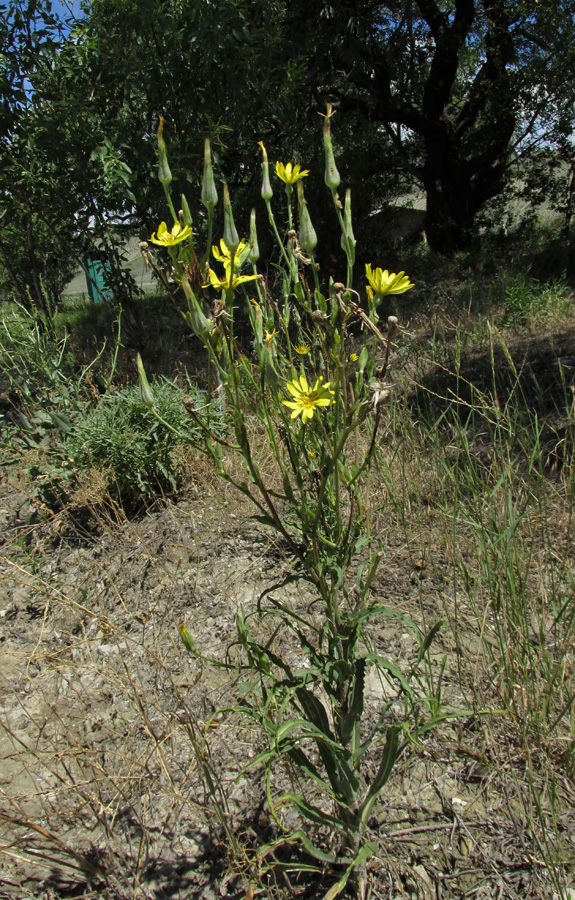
pixel 441 95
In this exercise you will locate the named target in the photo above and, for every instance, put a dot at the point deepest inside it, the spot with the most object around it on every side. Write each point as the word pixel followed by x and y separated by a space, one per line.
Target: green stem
pixel 170 204
pixel 276 233
pixel 206 255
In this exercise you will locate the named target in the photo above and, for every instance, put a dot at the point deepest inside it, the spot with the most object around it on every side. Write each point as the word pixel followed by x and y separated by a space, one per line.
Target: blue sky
pixel 65 8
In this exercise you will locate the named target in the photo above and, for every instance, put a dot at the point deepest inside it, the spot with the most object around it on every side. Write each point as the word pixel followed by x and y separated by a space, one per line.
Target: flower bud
pixel 146 394
pixel 187 640
pixel 164 173
pixel 331 176
pixel 267 192
pixel 255 250
pixel 347 238
pixel 186 214
pixel 307 235
pixel 231 238
pixel 267 367
pixel 209 193
pixel 199 323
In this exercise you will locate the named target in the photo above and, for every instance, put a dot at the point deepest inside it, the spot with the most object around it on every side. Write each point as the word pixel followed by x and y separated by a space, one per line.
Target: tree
pixel 65 188
pixel 456 85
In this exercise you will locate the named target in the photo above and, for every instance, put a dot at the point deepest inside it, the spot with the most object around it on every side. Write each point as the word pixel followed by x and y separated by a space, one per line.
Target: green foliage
pixel 40 381
pixel 527 301
pixel 138 449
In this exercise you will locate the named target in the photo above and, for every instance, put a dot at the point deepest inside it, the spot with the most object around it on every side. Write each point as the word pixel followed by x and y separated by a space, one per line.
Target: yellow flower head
pixel 353 357
pixel 221 284
pixel 290 174
pixel 384 282
pixel 166 238
pixel 307 399
pixel 224 255
pixel 269 336
pixel 303 349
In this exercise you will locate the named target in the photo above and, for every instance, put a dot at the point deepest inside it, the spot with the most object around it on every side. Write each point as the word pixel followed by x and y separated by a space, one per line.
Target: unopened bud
pixel 347 238
pixel 255 250
pixel 209 193
pixel 331 175
pixel 187 639
pixel 267 192
pixel 146 394
pixel 231 239
pixel 186 214
pixel 164 173
pixel 199 323
pixel 307 235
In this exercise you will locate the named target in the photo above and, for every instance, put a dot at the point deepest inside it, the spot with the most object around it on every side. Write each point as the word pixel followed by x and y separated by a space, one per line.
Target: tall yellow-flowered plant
pixel 313 378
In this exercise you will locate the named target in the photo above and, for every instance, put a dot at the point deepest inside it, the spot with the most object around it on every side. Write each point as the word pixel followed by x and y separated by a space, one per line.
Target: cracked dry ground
pixel 100 790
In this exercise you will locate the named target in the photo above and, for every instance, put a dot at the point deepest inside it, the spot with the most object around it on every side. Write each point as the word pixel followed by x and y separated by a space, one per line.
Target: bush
pixel 139 451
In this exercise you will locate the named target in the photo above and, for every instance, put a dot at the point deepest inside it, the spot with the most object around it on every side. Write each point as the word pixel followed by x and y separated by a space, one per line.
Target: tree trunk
pixel 449 216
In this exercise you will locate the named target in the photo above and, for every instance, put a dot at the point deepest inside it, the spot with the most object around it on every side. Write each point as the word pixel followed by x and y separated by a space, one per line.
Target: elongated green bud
pixel 231 239
pixel 331 176
pixel 258 323
pixel 347 238
pixel 267 192
pixel 146 394
pixel 200 325
pixel 307 235
pixel 164 173
pixel 186 214
pixel 187 640
pixel 267 367
pixel 255 250
pixel 209 193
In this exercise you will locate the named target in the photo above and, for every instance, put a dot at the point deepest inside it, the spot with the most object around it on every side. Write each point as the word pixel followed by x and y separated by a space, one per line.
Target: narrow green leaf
pixel 313 813
pixel 428 640
pixel 364 852
pixel 388 759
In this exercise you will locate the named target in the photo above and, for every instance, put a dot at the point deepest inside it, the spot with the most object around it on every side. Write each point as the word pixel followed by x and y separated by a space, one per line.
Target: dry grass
pixel 123 778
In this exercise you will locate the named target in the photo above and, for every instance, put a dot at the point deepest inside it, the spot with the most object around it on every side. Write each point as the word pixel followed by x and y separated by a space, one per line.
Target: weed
pixel 137 449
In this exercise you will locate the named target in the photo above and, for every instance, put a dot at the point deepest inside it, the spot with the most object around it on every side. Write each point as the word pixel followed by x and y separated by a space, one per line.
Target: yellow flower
pixel 306 399
pixel 290 174
pixel 166 238
pixel 269 336
pixel 302 349
pixel 353 357
pixel 224 255
pixel 220 284
pixel 384 282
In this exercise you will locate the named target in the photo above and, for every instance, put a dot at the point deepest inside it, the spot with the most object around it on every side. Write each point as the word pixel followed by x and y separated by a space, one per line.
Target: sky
pixel 66 8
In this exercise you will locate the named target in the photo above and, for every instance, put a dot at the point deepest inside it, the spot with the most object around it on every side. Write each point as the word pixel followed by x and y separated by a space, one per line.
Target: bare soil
pixel 101 791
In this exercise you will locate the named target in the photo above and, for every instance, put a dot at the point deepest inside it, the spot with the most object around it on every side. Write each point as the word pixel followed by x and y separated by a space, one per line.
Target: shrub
pixel 139 448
